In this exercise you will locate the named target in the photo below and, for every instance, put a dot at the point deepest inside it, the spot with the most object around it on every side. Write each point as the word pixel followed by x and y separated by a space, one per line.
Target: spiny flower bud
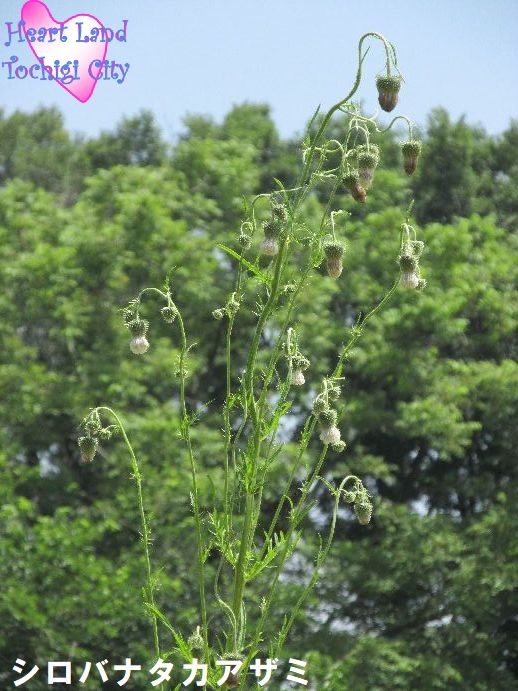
pixel 329 432
pixel 232 305
pixel 338 447
pixel 351 181
pixel 334 252
pixel 411 151
pixel 105 434
pixel 270 247
pixel 333 392
pixel 409 279
pixel 169 313
pixel 195 640
pixel 244 240
pixel 363 511
pixel 139 345
pixel 319 405
pixel 300 362
pixel 219 313
pixel 388 90
pixel 271 228
pixel 128 313
pixel 279 212
pixel 350 496
pixel 138 326
pixel 368 160
pixel 93 426
pixel 328 417
pixel 88 447
pixel 289 288
pixel 407 262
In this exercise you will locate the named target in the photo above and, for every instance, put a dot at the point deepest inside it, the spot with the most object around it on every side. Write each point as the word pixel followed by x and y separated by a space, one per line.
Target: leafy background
pixel 424 597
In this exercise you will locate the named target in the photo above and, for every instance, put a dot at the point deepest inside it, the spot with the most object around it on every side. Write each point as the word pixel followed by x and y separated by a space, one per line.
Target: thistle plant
pixel 251 544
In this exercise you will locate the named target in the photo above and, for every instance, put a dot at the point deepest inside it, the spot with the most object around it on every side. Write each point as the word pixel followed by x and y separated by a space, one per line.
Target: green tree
pixel 444 187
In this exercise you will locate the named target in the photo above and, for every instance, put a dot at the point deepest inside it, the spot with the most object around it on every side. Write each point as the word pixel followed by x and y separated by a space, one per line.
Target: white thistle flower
pixel 270 246
pixel 330 435
pixel 297 377
pixel 334 268
pixel 139 345
pixel 366 177
pixel 409 280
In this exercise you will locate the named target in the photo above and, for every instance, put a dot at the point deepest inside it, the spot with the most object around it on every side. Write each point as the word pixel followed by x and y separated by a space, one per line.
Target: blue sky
pixel 203 56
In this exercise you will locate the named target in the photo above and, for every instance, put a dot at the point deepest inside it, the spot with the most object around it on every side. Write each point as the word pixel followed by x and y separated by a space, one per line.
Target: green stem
pixel 319 562
pixel 146 533
pixel 246 536
pixel 195 498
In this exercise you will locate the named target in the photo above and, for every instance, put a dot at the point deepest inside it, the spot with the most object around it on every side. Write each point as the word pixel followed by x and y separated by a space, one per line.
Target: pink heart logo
pixel 84 59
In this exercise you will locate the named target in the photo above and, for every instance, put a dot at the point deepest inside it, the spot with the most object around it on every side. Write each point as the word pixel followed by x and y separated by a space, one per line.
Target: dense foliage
pixel 421 598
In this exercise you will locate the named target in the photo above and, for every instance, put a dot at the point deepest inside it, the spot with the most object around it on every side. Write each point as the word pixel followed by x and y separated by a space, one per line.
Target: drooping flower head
pixel 88 447
pixel 411 151
pixel 388 91
pixel 334 252
pixel 351 181
pixel 368 159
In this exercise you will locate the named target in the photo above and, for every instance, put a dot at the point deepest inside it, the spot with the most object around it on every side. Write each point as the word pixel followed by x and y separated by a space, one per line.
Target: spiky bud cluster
pixel 411 151
pixel 93 426
pixel 195 640
pixel 368 159
pixel 333 391
pixel 388 90
pixel 88 447
pixel 230 309
pixel 105 434
pixel 362 503
pixel 339 446
pixel 279 212
pixel 300 364
pixel 138 328
pixel 363 511
pixel 272 229
pixel 351 181
pixel 334 252
pixel 329 432
pixel 322 410
pixel 232 305
pixel 169 313
pixel 319 405
pixel 244 240
pixel 89 443
pixel 408 261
